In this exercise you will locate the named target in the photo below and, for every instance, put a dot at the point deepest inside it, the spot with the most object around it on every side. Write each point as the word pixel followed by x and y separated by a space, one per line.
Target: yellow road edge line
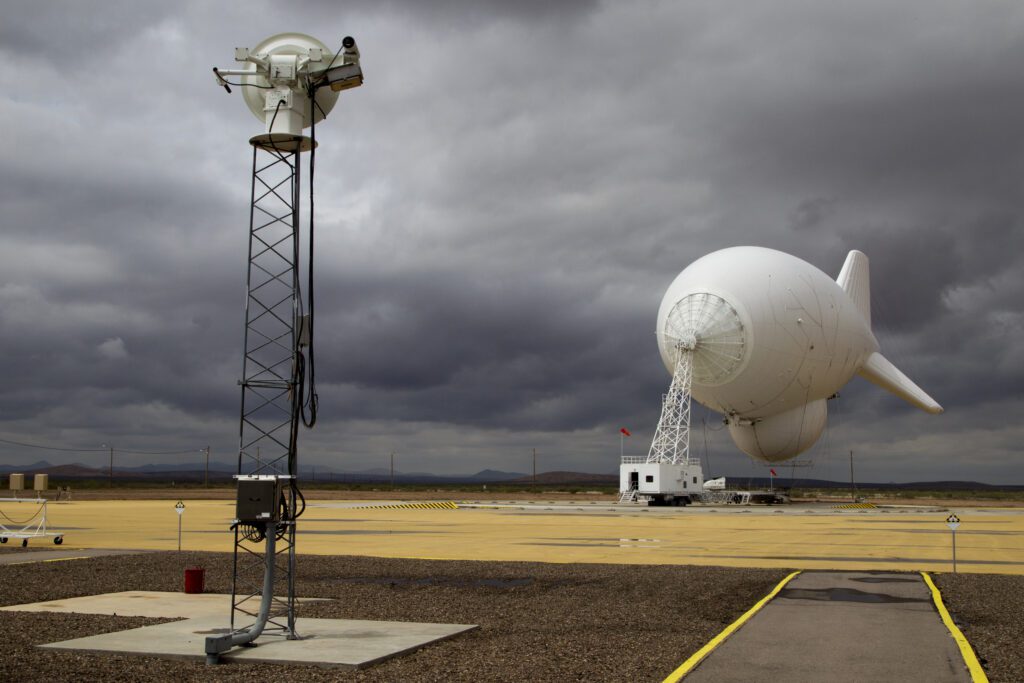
pixel 696 658
pixel 966 651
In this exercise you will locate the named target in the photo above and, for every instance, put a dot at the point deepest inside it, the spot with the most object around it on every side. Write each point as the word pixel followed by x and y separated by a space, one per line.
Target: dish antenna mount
pixel 290 82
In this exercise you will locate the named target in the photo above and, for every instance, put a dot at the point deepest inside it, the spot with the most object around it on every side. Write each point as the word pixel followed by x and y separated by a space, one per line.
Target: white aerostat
pixel 772 339
pixel 766 339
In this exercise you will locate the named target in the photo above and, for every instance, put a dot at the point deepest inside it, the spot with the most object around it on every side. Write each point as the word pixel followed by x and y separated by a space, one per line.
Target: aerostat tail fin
pixel 878 370
pixel 856 282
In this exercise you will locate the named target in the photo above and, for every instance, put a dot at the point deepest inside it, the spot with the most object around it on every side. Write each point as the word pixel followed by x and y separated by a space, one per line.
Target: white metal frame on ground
pixel 33 527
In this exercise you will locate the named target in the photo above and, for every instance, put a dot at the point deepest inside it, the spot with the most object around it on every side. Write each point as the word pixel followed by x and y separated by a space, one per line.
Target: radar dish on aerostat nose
pixel 709 326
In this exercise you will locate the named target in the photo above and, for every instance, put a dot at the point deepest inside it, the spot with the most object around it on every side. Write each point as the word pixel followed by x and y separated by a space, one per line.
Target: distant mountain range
pixel 222 472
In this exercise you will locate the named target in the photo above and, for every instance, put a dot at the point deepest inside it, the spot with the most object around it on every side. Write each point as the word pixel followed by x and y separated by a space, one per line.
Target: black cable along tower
pixel 291 81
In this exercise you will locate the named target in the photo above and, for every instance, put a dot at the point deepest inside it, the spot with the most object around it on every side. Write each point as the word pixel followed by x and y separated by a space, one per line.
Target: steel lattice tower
pixel 671 443
pixel 270 381
pixel 289 82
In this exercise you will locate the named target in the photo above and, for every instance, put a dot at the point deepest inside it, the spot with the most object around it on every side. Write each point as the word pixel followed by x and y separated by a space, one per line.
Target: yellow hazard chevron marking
pixel 855 506
pixel 445 505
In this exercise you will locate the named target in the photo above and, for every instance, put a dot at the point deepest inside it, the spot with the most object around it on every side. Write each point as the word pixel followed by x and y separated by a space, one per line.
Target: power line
pixel 55 448
pixel 186 452
pixel 100 450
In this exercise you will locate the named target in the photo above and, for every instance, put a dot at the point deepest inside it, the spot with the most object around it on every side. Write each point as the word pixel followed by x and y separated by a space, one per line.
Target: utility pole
pixel 392 470
pixel 206 475
pixel 853 486
pixel 110 471
pixel 534 466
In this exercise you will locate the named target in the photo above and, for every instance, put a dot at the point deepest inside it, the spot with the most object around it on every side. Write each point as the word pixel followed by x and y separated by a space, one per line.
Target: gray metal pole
pixel 392 470
pixel 179 531
pixel 206 474
pixel 215 645
pixel 534 466
pixel 853 487
pixel 110 481
pixel 954 551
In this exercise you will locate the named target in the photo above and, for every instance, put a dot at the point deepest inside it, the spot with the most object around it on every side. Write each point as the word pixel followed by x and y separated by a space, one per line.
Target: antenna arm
pixel 242 54
pixel 220 80
pixel 236 72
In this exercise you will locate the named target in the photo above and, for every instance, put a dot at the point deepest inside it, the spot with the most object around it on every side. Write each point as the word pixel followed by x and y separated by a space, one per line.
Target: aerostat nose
pixel 710 327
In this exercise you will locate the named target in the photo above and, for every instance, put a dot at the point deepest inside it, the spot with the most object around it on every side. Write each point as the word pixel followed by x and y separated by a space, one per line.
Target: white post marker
pixel 953 522
pixel 180 509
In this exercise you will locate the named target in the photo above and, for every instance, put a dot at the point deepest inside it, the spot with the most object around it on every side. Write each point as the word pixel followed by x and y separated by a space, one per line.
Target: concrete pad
pixel 341 643
pixel 156 604
pixel 841 627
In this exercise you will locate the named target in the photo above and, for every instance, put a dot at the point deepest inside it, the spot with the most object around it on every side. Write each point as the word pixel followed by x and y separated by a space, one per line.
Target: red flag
pixel 625 431
pixel 773 473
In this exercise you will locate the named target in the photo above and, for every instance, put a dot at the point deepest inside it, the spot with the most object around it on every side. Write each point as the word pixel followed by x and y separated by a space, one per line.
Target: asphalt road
pixel 842 627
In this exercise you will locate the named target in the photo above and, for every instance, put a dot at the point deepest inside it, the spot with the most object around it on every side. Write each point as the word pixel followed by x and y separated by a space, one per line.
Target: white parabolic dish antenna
pixel 710 327
pixel 283 47
pixel 278 78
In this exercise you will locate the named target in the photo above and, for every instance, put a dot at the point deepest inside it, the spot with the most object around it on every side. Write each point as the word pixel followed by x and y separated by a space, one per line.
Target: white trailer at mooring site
pixel 660 483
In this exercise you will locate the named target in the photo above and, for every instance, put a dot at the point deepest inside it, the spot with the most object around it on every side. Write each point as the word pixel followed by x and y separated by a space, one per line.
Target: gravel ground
pixel 538 622
pixel 989 609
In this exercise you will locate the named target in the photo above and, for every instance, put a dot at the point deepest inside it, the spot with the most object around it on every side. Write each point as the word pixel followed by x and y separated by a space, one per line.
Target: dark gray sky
pixel 500 209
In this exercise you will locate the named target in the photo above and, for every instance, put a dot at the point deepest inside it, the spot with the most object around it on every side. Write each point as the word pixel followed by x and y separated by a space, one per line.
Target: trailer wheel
pixel 24 542
pixel 58 540
pixel 3 539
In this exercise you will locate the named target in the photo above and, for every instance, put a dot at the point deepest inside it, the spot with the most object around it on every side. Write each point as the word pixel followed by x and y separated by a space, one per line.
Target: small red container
pixel 194 579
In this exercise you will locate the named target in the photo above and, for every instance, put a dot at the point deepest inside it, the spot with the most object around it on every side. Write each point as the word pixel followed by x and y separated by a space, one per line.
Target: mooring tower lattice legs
pixel 671 443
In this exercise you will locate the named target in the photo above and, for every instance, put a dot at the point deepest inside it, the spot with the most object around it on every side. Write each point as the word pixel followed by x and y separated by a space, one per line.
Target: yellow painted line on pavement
pixel 966 651
pixel 698 656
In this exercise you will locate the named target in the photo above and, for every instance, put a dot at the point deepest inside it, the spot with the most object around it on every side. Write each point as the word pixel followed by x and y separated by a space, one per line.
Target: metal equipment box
pixel 258 499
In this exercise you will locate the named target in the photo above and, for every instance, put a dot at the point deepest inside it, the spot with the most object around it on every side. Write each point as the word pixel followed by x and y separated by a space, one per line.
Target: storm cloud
pixel 499 210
